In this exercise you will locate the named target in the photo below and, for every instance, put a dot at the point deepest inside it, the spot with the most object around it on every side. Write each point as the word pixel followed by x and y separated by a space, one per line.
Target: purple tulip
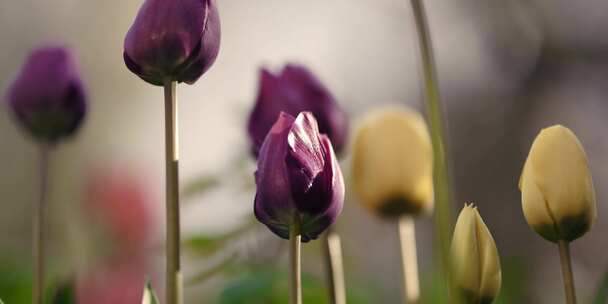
pixel 298 175
pixel 295 90
pixel 173 40
pixel 47 97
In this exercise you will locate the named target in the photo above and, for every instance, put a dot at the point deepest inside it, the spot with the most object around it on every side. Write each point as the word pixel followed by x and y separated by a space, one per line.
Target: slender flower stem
pixel 173 275
pixel 564 254
pixel 334 266
pixel 296 262
pixel 436 119
pixel 409 258
pixel 39 225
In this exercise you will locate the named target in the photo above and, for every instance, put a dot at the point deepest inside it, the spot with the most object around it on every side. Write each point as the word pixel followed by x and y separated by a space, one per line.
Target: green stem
pixel 38 223
pixel 296 262
pixel 174 276
pixel 409 259
pixel 564 254
pixel 435 118
pixel 334 266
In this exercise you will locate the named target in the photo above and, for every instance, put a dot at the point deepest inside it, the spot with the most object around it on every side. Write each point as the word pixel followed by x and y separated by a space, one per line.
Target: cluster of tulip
pixel 295 127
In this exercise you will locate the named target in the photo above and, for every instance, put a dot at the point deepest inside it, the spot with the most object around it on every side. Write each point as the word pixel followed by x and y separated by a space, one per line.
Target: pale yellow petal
pixel 558 163
pixel 392 158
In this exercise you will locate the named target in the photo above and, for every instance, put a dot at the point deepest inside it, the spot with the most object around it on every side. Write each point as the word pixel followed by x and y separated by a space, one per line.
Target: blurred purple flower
pixel 298 175
pixel 295 90
pixel 173 39
pixel 47 97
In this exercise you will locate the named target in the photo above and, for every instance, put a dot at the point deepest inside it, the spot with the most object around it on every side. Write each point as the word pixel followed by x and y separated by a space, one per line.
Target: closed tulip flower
pixel 558 198
pixel 292 91
pixel 298 178
pixel 393 163
pixel 47 98
pixel 173 40
pixel 475 261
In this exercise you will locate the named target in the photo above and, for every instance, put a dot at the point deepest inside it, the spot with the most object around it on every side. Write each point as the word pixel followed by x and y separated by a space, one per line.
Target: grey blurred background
pixel 506 69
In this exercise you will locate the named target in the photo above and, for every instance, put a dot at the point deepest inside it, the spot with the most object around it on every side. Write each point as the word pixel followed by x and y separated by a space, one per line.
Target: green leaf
pixel 602 291
pixel 200 185
pixel 203 244
pixel 149 295
pixel 212 271
pixel 207 244
pixel 64 295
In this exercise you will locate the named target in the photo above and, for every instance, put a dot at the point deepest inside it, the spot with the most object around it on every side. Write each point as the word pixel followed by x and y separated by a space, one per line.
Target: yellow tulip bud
pixel 393 163
pixel 557 192
pixel 475 261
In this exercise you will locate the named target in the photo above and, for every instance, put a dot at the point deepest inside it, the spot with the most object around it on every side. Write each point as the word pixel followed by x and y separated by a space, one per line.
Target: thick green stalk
pixel 564 254
pixel 435 117
pixel 173 275
pixel 38 223
pixel 295 262
pixel 334 266
pixel 409 259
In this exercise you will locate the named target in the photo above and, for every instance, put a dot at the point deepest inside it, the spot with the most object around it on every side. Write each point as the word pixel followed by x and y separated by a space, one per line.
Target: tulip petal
pixel 329 190
pixel 273 205
pixel 305 158
pixel 207 50
pixel 295 90
pixel 177 40
pixel 47 97
pixel 557 178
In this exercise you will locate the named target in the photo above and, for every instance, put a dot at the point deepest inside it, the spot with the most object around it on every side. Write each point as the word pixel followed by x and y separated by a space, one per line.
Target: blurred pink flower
pixel 115 282
pixel 119 201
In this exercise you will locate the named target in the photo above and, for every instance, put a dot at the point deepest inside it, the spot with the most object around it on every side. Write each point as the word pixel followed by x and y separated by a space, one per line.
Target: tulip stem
pixel 296 262
pixel 409 258
pixel 38 222
pixel 435 117
pixel 174 276
pixel 564 254
pixel 334 266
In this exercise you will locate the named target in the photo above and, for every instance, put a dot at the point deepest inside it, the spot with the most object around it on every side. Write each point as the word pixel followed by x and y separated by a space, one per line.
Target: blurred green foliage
pixel 602 291
pixel 271 287
pixel 15 281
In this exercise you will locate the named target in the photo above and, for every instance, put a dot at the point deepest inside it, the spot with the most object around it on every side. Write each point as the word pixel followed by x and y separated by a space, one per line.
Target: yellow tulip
pixel 393 163
pixel 475 261
pixel 558 198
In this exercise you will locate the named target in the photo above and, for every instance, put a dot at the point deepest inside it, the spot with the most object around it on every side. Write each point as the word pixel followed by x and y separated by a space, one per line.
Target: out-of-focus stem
pixel 436 120
pixel 409 258
pixel 564 254
pixel 38 225
pixel 334 266
pixel 295 262
pixel 173 275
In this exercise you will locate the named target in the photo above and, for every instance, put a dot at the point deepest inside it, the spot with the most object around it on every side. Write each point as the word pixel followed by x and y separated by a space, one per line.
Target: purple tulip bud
pixel 295 90
pixel 173 40
pixel 298 175
pixel 47 97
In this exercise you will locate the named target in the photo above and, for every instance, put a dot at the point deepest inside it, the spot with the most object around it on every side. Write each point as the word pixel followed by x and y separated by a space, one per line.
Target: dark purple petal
pixel 295 90
pixel 305 162
pixel 207 50
pixel 47 97
pixel 266 109
pixel 325 198
pixel 167 38
pixel 273 204
pixel 298 175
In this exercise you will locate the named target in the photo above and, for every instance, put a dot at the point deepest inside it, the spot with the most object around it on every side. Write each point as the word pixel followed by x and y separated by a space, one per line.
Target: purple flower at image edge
pixel 298 175
pixel 173 40
pixel 47 97
pixel 294 90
